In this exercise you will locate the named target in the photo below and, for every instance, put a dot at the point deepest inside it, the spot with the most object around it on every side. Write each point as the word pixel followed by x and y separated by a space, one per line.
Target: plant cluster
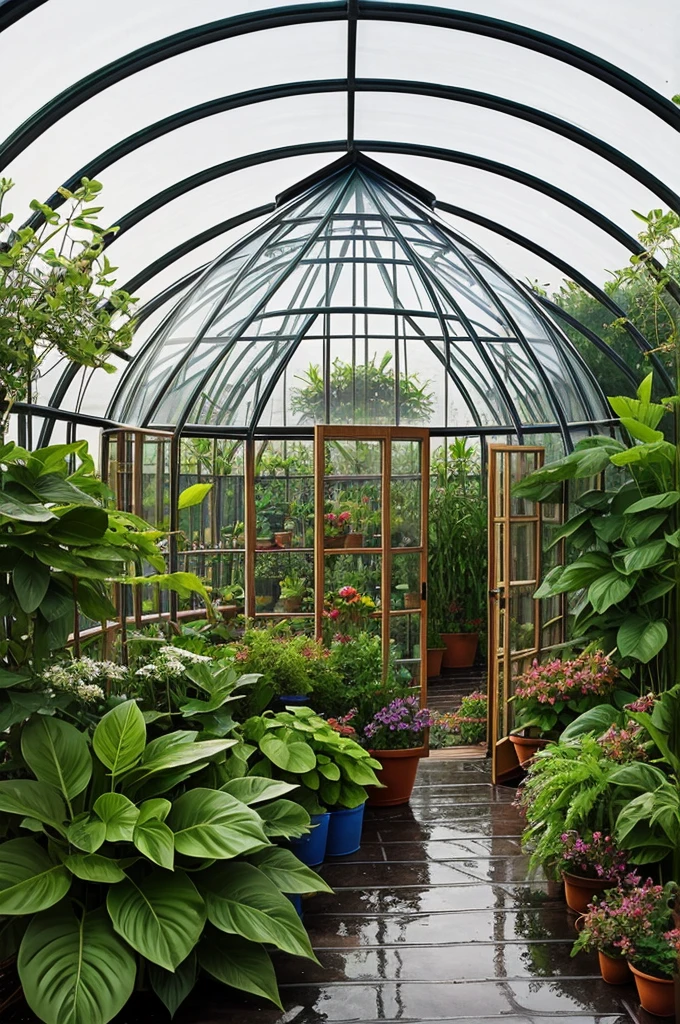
pixel 636 923
pixel 336 524
pixel 466 726
pixel 88 680
pixel 625 539
pixel 119 860
pixel 552 695
pixel 299 747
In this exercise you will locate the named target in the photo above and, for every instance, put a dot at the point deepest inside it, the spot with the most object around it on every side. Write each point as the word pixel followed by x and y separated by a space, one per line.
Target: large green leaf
pixel 51 487
pixel 33 800
pixel 161 915
pixel 641 638
pixel 154 839
pixel 119 814
pixel 24 512
pixel 208 823
pixel 243 965
pixel 92 867
pixel 641 529
pixel 57 753
pixel 88 834
pixel 120 737
pixel 30 880
pixel 644 778
pixel 283 818
pixel 609 589
pixel 293 756
pixel 193 495
pixel 172 988
pixel 664 500
pixel 596 721
pixel 177 749
pixel 241 900
pixel 83 524
pixel 75 971
pixel 30 580
pixel 642 557
pixel 288 873
pixel 253 789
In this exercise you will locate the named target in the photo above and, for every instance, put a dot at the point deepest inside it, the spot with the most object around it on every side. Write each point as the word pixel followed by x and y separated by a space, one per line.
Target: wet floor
pixel 433 921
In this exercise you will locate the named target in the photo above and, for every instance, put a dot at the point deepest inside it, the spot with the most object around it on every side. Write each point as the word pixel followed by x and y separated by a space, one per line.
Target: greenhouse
pixel 339 664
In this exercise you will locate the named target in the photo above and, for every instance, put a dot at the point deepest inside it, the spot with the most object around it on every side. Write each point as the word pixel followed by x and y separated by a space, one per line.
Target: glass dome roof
pixel 353 303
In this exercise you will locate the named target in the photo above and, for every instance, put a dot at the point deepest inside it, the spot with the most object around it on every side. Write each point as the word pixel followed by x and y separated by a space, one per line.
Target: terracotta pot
pixel 291 604
pixel 334 542
pixel 656 995
pixel 461 649
pixel 412 600
pixel 398 775
pixel 283 539
pixel 579 891
pixel 526 747
pixel 263 543
pixel 614 969
pixel 354 540
pixel 434 661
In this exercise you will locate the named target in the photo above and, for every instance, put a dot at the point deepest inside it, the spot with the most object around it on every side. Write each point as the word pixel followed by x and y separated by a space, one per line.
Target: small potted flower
pixel 462 641
pixel 548 697
pixel 435 653
pixel 589 866
pixel 410 597
pixel 293 589
pixel 347 611
pixel 653 954
pixel 395 736
pixel 336 526
pixel 602 930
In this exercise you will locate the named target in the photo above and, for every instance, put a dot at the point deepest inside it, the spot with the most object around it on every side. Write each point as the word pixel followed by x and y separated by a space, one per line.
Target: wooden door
pixel 515 627
pixel 381 475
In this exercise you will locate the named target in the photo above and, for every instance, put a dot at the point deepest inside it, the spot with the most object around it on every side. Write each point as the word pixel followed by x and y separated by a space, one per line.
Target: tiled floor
pixel 433 921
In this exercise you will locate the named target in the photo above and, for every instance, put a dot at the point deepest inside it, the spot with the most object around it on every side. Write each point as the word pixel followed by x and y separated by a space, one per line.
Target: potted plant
pixel 347 611
pixel 396 739
pixel 336 526
pixel 293 588
pixel 589 866
pixel 653 954
pixel 238 536
pixel 602 931
pixel 264 534
pixel 435 652
pixel 549 697
pixel 284 538
pixel 329 768
pixel 232 596
pixel 462 642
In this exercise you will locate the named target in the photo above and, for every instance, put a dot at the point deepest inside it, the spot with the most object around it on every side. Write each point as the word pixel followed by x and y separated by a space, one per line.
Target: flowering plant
pixel 635 923
pixel 336 524
pixel 348 608
pixel 598 857
pixel 548 697
pixel 87 680
pixel 399 725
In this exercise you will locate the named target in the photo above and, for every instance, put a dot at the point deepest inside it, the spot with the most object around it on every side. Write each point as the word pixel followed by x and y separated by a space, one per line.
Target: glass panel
pixel 284 582
pixel 406 582
pixel 522 463
pixel 405 637
pixel 284 494
pixel 353 493
pixel 522 551
pixel 406 494
pixel 363 573
pixel 552 621
pixel 217 523
pixel 521 619
pixel 499 553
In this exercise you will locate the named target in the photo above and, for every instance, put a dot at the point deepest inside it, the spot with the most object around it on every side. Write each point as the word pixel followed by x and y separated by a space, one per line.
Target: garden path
pixel 433 921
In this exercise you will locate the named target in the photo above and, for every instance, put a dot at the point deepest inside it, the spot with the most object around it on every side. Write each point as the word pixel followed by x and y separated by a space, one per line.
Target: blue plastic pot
pixel 298 699
pixel 311 849
pixel 344 831
pixel 296 900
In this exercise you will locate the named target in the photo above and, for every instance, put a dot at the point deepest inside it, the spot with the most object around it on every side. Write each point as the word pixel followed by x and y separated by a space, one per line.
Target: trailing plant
pixel 299 747
pixel 626 540
pixel 111 870
pixel 57 294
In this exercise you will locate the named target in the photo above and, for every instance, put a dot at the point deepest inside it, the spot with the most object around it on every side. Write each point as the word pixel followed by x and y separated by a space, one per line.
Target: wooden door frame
pixel 386 435
pixel 504 758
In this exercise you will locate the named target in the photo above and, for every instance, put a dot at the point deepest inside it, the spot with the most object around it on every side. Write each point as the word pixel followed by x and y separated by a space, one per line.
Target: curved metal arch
pixel 221 104
pixel 12 11
pixel 373 145
pixel 333 10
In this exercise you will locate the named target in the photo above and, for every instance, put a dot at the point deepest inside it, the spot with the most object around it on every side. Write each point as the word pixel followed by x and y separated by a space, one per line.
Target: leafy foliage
pixel 152 870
